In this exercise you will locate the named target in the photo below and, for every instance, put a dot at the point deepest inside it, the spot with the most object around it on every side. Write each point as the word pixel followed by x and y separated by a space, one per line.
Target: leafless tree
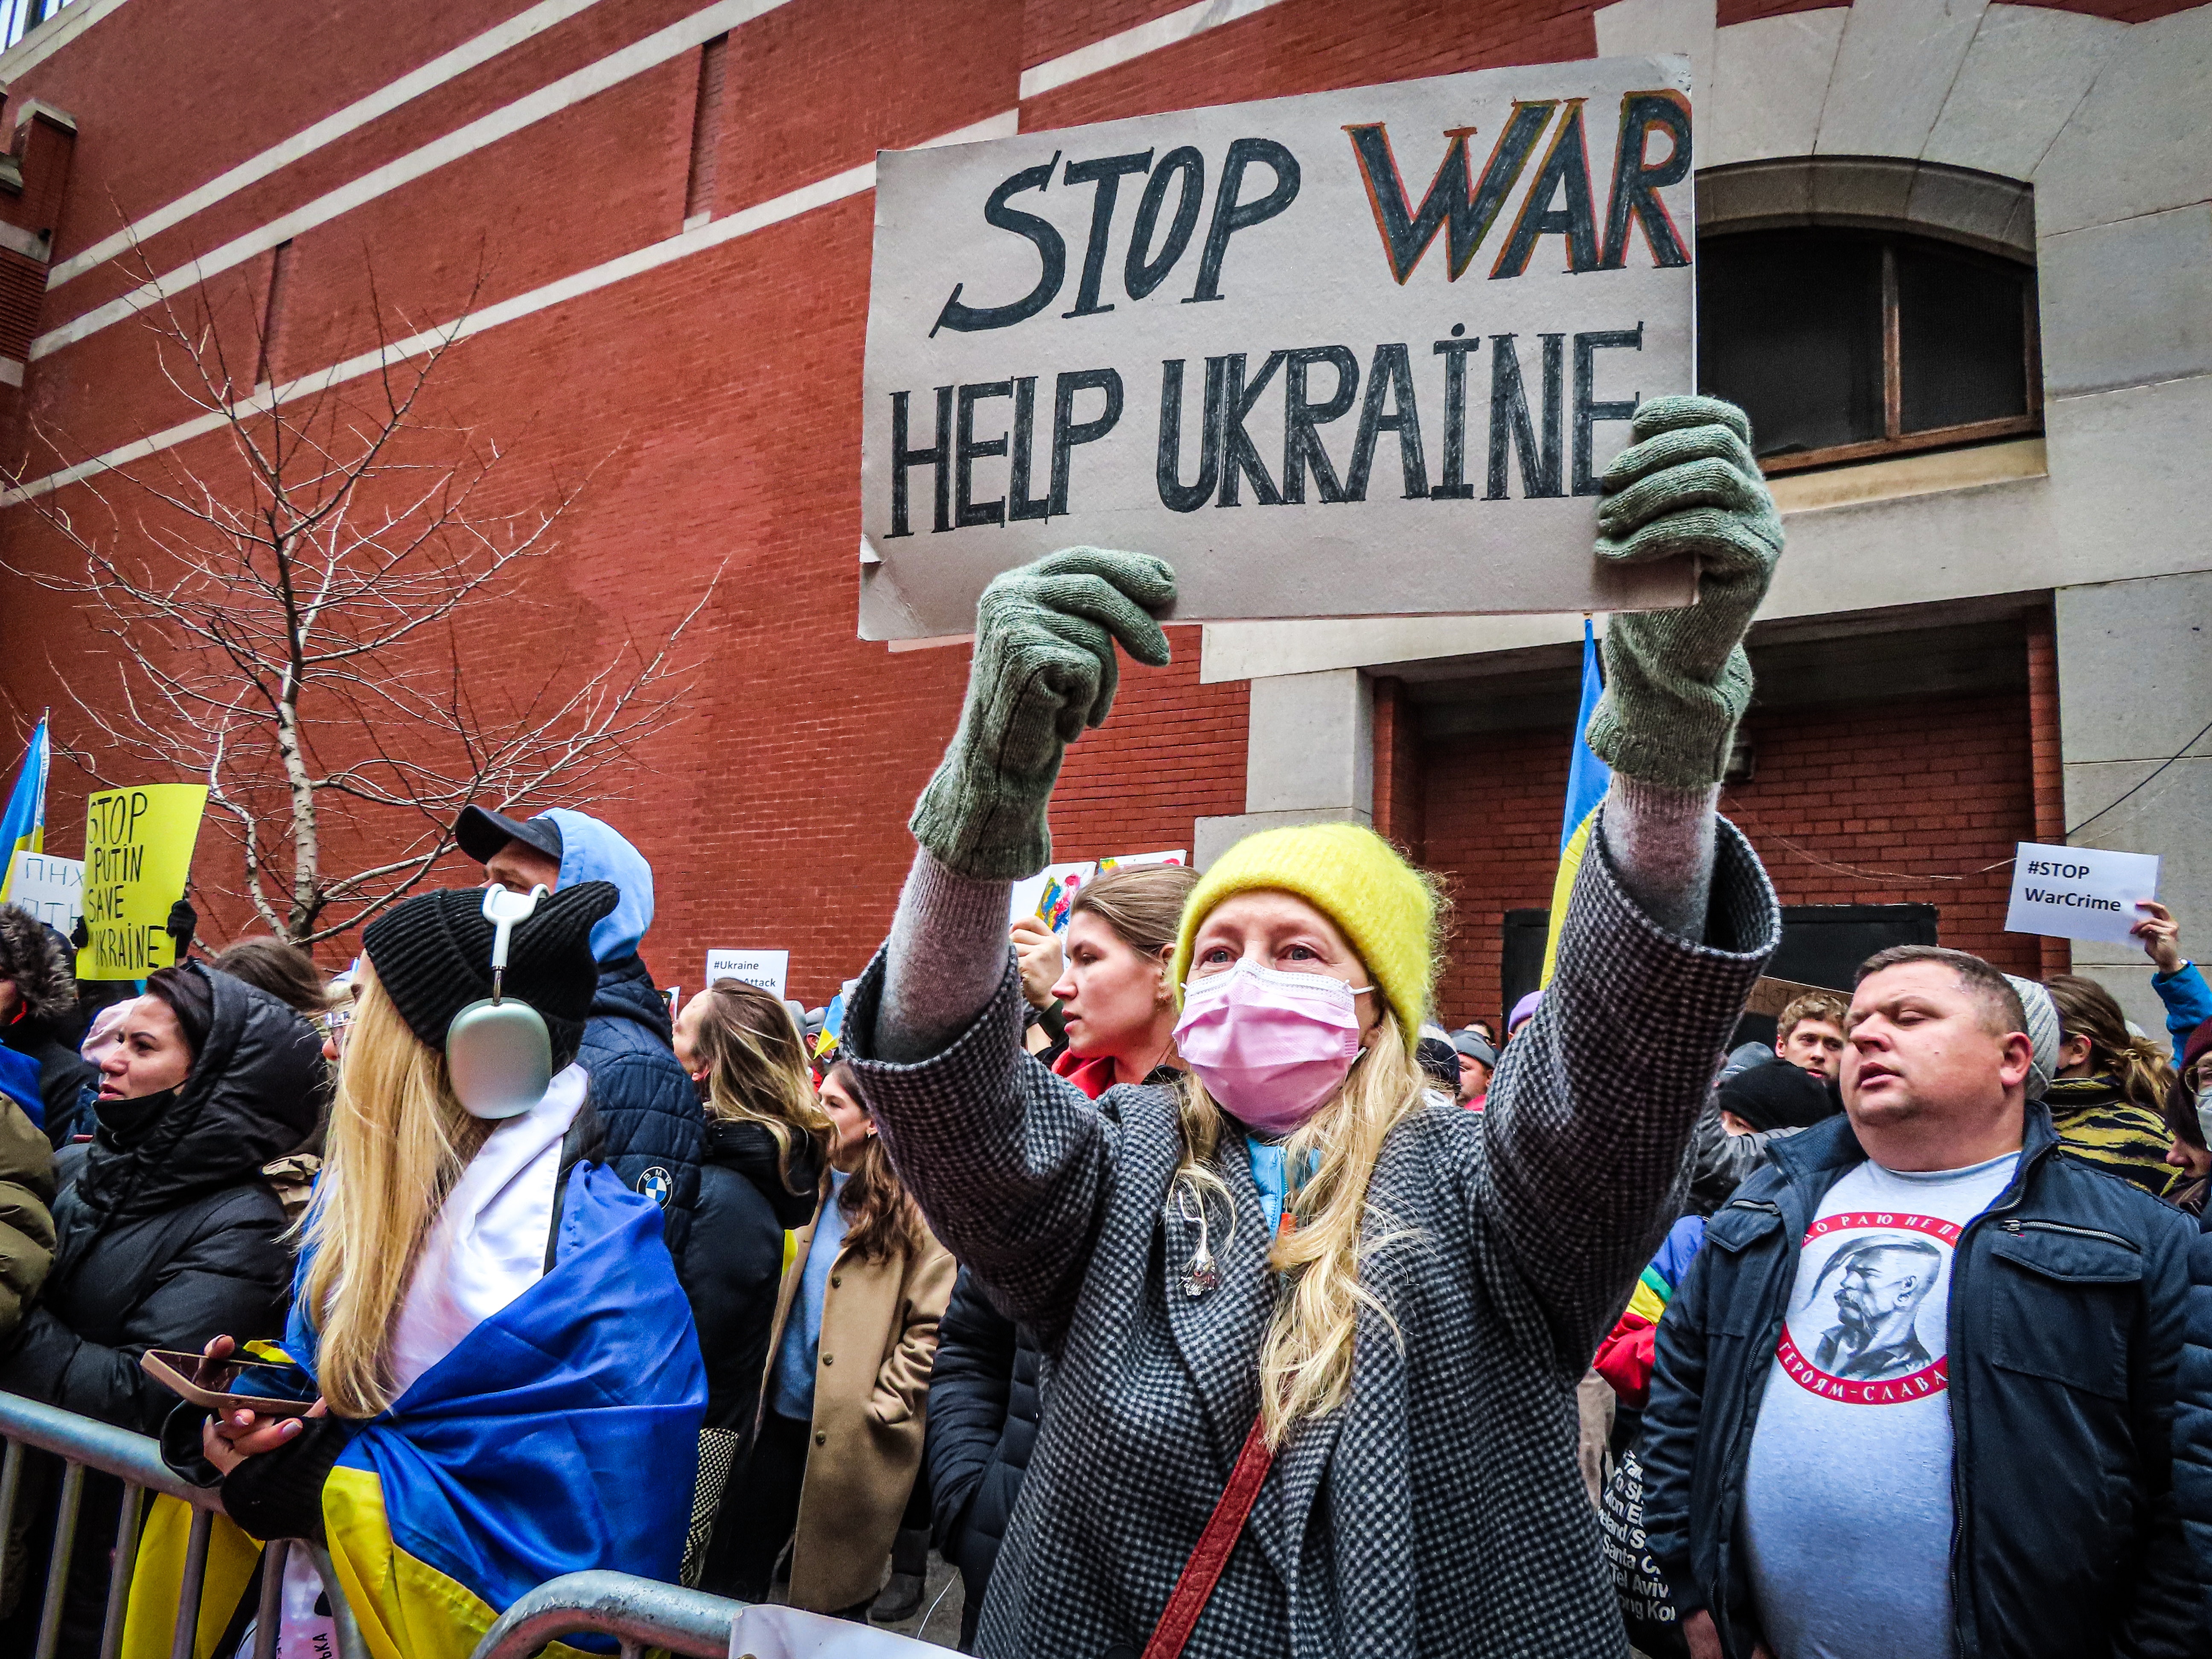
pixel 291 619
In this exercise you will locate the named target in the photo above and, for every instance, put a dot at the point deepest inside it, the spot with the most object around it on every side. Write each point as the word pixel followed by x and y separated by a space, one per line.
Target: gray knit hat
pixel 2042 1033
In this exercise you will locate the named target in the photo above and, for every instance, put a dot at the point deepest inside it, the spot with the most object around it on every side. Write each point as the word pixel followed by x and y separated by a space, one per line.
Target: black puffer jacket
pixel 733 1262
pixel 172 1238
pixel 983 1410
pixel 651 1112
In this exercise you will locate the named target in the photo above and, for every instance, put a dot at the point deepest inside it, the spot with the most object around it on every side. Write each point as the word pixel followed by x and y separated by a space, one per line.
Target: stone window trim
pixel 1980 212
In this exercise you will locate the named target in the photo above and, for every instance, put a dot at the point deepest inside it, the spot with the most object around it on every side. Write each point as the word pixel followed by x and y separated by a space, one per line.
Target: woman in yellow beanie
pixel 1312 1333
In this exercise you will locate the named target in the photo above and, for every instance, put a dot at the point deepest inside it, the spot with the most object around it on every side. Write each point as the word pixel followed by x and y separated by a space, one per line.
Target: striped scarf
pixel 2098 1125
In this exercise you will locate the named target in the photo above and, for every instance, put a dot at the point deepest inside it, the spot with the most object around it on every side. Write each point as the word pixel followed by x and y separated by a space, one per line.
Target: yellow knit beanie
pixel 1357 879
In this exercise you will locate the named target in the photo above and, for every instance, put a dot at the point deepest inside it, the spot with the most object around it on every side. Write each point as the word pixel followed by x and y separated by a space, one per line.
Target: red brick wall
pixel 1869 804
pixel 713 401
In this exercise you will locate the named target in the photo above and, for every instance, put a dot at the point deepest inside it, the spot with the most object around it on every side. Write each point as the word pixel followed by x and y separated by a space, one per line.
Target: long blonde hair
pixel 1305 1363
pixel 399 1140
pixel 757 1071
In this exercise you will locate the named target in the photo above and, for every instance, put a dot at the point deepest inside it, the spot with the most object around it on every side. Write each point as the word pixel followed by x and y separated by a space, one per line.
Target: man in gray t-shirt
pixel 1912 1400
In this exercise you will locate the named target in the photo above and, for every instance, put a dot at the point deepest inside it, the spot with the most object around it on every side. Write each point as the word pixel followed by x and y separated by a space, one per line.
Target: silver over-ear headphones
pixel 497 1050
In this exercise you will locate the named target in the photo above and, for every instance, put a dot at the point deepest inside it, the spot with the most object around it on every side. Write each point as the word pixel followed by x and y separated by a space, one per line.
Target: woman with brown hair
pixel 1116 1002
pixel 2108 1099
pixel 760 1170
pixel 840 1430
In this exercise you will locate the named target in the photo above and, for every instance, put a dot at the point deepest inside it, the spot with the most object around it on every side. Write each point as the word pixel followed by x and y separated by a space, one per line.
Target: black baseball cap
pixel 482 834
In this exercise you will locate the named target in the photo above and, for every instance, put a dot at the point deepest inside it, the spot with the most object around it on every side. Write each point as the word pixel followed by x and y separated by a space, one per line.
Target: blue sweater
pixel 2188 1003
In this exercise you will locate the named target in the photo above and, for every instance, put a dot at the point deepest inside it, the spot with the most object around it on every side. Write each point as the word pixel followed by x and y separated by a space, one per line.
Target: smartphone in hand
pixel 265 1389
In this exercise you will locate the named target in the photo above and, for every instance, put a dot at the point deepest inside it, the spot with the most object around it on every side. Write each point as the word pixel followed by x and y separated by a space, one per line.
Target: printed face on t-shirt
pixel 1865 1333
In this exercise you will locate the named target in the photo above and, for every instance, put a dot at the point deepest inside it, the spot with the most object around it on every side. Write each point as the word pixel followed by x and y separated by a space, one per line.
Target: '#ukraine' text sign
pixel 1357 353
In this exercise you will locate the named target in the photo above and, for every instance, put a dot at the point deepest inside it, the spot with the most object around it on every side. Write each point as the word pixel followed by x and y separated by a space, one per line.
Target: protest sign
pixel 137 856
pixel 51 889
pixel 766 969
pixel 1048 895
pixel 2079 892
pixel 1356 353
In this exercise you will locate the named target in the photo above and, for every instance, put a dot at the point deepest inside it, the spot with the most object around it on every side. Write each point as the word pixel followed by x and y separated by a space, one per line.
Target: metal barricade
pixel 643 1614
pixel 134 1459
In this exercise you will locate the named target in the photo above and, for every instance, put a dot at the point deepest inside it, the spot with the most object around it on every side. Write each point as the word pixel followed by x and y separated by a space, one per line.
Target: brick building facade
pixel 661 209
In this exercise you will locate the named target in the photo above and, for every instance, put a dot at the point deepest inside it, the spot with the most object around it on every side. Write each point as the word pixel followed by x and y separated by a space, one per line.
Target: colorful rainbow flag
pixel 1587 779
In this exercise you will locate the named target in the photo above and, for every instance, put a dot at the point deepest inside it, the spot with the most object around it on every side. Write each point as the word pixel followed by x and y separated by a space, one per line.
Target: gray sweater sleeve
pixel 947 953
pixel 1662 842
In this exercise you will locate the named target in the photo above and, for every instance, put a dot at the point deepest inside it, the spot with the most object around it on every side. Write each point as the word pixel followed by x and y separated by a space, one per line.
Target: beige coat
pixel 871 1398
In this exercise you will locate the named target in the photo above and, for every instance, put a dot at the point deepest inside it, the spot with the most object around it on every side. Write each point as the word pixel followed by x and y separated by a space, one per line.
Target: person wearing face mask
pixel 168 1233
pixel 504 1384
pixel 1265 1297
pixel 984 1400
pixel 840 1424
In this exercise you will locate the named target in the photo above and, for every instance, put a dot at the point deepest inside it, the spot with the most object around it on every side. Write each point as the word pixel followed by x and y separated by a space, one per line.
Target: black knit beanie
pixel 1778 1096
pixel 432 956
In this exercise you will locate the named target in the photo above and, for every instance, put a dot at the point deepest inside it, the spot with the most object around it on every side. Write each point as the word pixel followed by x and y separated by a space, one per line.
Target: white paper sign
pixel 766 1632
pixel 51 889
pixel 1357 353
pixel 766 969
pixel 2079 892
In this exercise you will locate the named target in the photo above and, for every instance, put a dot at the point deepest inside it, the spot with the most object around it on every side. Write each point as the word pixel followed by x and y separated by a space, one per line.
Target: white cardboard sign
pixel 51 889
pixel 2079 892
pixel 766 969
pixel 1358 353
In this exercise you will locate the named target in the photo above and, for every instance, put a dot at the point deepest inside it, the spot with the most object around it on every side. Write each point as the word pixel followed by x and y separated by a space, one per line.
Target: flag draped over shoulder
pixel 1588 778
pixel 23 827
pixel 561 1434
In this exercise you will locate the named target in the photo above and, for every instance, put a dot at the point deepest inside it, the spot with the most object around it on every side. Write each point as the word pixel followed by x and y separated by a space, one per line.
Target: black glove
pixel 183 922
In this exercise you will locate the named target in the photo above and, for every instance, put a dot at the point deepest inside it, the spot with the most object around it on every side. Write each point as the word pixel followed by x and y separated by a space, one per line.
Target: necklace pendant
pixel 1200 1278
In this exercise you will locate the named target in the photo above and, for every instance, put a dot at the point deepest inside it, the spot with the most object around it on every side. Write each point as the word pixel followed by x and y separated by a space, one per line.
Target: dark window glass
pixel 1962 338
pixel 1789 327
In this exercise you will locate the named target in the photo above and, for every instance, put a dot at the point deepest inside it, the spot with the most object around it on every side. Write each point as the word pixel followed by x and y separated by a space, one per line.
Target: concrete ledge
pixel 1212 837
pixel 1912 475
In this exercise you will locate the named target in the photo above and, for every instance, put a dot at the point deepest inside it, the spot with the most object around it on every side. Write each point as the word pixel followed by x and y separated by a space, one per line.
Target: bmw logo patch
pixel 657 1184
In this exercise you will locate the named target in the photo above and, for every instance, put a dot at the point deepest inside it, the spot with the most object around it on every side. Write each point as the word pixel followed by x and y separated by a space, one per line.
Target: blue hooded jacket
pixel 654 1127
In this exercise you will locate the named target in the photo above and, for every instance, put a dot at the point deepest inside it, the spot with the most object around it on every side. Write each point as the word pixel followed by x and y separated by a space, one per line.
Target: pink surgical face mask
pixel 1271 1046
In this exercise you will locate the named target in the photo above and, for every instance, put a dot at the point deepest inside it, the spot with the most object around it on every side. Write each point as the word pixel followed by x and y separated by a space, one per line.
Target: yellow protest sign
pixel 137 854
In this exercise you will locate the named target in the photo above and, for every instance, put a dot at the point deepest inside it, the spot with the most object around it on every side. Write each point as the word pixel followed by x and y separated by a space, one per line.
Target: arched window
pixel 1850 328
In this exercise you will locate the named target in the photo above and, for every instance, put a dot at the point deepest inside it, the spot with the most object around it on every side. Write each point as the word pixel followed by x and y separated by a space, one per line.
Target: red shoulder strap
pixel 1204 1569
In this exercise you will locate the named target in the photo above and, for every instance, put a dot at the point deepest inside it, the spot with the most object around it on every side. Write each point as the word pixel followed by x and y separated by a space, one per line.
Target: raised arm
pixel 1011 1165
pixel 1671 919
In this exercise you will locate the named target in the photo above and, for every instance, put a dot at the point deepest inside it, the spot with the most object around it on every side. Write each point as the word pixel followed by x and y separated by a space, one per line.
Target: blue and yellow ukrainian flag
pixel 1588 778
pixel 561 1434
pixel 23 827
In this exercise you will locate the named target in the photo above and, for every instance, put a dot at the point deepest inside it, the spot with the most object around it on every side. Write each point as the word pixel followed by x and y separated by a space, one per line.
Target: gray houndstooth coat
pixel 1440 1512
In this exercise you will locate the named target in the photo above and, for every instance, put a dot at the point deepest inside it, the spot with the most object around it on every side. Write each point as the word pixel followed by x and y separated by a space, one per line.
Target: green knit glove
pixel 1043 670
pixel 1676 681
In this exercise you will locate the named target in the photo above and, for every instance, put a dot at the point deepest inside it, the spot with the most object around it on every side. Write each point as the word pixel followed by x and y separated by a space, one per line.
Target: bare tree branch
pixel 291 620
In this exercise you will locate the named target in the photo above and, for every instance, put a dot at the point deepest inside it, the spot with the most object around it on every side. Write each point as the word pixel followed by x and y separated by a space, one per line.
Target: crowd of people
pixel 1175 1273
